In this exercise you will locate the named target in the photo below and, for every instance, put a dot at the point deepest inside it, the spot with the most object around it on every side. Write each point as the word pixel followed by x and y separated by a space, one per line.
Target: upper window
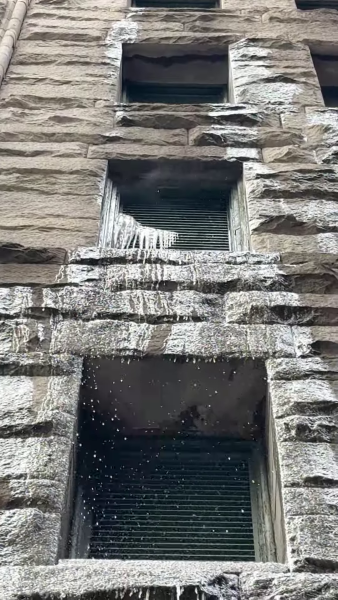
pixel 327 72
pixel 174 74
pixel 186 4
pixel 315 4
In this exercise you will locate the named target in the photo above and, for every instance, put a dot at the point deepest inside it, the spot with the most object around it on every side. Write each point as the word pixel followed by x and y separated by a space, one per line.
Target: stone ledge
pixel 81 579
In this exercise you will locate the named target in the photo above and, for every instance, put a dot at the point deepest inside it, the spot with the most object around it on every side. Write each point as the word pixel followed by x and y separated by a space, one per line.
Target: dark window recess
pixel 327 72
pixel 330 95
pixel 315 4
pixel 159 498
pixel 201 221
pixel 188 4
pixel 168 93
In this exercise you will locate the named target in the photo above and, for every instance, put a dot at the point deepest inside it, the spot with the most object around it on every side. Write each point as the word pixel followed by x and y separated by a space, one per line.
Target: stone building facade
pixel 64 132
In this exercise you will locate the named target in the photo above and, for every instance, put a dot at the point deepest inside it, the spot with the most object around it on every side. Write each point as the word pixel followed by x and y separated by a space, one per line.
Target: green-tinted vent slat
pixel 139 498
pixel 175 94
pixel 201 223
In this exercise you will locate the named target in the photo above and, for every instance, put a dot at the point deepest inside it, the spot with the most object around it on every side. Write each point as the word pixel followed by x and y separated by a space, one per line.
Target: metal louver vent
pixel 170 499
pixel 168 93
pixel 187 4
pixel 201 221
pixel 315 4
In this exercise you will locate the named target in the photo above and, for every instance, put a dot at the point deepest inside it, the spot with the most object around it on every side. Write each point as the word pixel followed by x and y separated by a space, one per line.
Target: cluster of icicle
pixel 119 230
pixel 129 233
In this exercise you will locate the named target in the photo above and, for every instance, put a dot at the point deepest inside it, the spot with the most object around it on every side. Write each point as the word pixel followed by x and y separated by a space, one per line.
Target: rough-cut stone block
pixel 22 335
pixel 31 148
pixel 44 494
pixel 303 397
pixel 26 275
pixel 38 404
pixel 28 537
pixel 312 542
pixel 270 242
pixel 289 154
pixel 281 369
pixel 189 117
pixel 281 307
pixel 256 586
pixel 305 464
pixel 150 152
pixel 300 428
pixel 310 501
pixel 36 458
pixel 218 135
pixel 208 277
pixel 152 306
pixel 105 256
pixel 81 579
pixel 108 338
pixel 273 72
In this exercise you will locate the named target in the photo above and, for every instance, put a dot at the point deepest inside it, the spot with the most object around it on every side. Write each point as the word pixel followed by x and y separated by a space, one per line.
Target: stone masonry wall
pixel 62 299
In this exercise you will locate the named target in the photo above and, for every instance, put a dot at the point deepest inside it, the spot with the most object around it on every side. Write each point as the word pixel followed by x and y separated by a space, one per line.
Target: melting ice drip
pixel 119 230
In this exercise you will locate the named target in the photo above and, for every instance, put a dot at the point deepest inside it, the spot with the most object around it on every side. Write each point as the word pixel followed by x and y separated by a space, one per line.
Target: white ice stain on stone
pixel 124 31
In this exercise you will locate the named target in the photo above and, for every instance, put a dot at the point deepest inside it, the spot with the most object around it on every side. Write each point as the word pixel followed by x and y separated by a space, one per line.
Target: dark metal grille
pixel 168 93
pixel 201 221
pixel 315 4
pixel 188 4
pixel 166 499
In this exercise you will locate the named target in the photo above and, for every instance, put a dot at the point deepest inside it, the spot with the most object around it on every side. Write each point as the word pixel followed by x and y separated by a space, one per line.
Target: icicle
pixel 178 592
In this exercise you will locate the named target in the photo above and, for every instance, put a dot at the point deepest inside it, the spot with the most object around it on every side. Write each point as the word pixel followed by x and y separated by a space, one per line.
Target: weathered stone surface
pixel 281 307
pixel 300 428
pixel 312 542
pixel 269 242
pixel 36 458
pixel 302 369
pixel 81 578
pixel 38 404
pixel 273 72
pixel 148 152
pixel 217 135
pixel 310 501
pixel 97 301
pixel 189 117
pixel 23 335
pixel 99 337
pixel 308 464
pixel 26 275
pixel 194 275
pixel 28 537
pixel 290 154
pixel 63 220
pixel 289 586
pixel 304 396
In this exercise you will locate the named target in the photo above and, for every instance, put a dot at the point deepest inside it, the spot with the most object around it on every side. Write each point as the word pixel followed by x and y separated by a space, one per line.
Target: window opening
pixel 327 73
pixel 181 205
pixel 170 462
pixel 316 4
pixel 174 74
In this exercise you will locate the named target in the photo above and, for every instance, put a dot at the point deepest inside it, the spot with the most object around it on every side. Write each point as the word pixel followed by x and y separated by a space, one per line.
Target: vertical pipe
pixel 11 35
